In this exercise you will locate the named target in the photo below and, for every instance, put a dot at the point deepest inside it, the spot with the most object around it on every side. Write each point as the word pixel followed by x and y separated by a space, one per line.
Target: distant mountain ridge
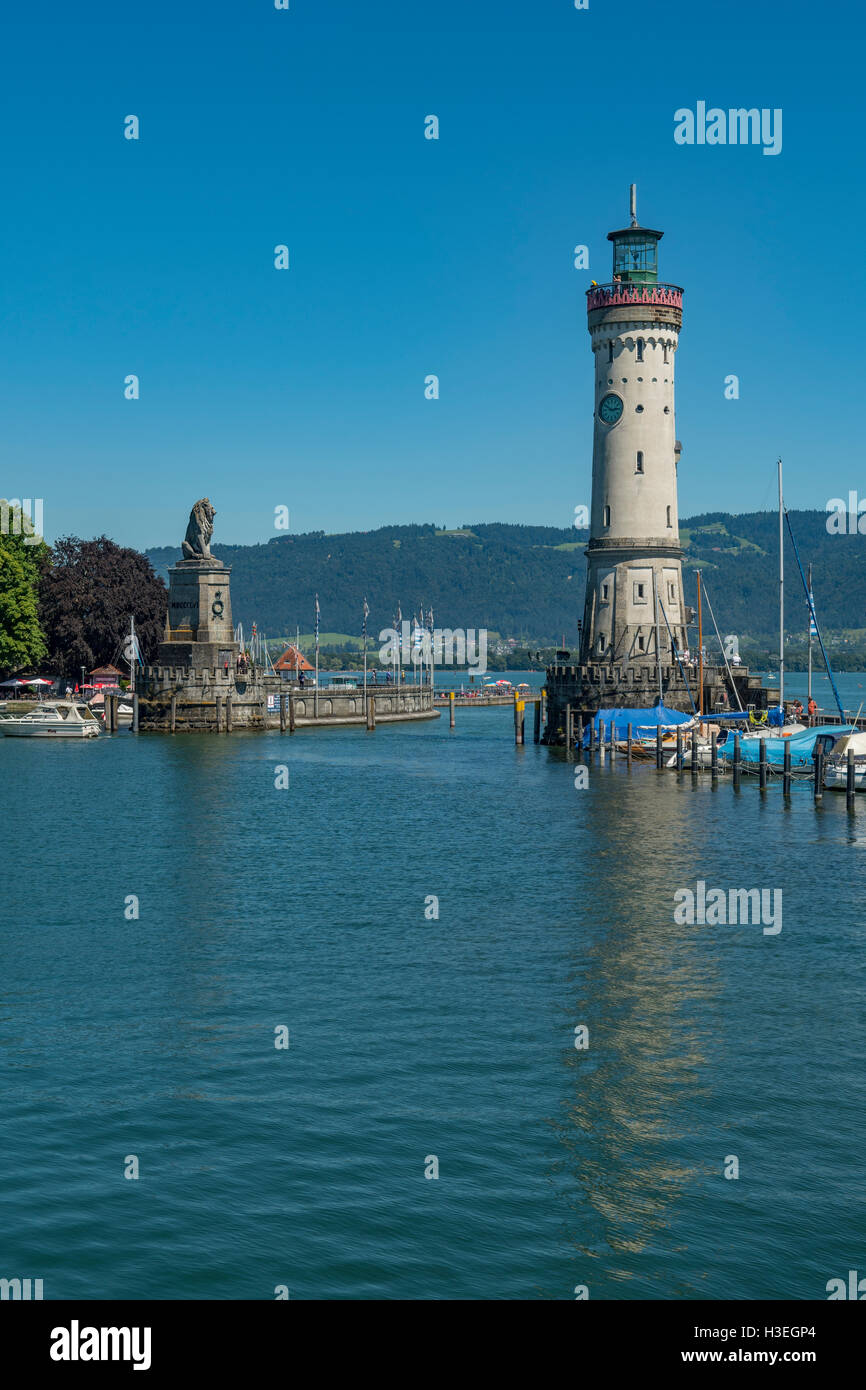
pixel 527 581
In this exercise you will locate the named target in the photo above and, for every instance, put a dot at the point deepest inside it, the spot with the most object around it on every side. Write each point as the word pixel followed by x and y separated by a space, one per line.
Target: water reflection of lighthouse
pixel 647 990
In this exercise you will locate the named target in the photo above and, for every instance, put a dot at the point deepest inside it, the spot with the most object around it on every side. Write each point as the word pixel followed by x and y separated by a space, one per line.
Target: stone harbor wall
pixel 591 688
pixel 206 700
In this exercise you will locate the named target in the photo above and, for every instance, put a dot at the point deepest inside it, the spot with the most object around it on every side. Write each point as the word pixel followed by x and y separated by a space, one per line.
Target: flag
pixel 813 627
pixel 132 650
pixel 366 615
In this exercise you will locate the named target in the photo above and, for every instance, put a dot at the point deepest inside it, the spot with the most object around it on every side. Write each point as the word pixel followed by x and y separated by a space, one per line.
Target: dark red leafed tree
pixel 86 597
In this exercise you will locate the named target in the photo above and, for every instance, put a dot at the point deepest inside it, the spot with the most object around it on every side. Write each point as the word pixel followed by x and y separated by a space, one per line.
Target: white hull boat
pixel 836 766
pixel 59 719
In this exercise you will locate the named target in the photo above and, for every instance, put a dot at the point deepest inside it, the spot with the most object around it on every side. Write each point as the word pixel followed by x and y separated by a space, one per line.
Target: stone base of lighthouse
pixel 634 610
pixel 593 687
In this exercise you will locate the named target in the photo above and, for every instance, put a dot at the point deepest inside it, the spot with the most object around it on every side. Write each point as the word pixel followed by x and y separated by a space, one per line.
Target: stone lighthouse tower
pixel 635 622
pixel 634 607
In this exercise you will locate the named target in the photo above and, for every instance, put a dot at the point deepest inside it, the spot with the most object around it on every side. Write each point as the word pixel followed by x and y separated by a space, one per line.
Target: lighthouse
pixel 634 633
pixel 634 611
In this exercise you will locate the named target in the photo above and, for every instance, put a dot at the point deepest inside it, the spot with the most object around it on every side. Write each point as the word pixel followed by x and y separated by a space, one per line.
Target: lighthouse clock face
pixel 610 409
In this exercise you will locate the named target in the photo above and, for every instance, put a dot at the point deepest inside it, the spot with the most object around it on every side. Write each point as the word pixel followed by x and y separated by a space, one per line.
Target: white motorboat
pixel 124 711
pixel 54 719
pixel 836 765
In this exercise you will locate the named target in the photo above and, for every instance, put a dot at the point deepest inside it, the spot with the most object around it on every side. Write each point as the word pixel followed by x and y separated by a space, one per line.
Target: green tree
pixel 86 597
pixel 22 642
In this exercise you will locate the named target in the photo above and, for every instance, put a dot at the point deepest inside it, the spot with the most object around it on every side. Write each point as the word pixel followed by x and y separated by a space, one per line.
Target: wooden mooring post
pixel 451 710
pixel 536 727
pixel 628 745
pixel 736 765
pixel 173 714
pixel 714 754
pixel 371 712
pixel 659 746
pixel 219 712
pixel 228 714
pixel 819 774
pixel 762 765
pixel 291 712
pixel 612 742
pixel 282 713
pixel 696 762
pixel 591 736
pixel 786 770
pixel 850 783
pixel 679 749
pixel 569 729
pixel 134 713
pixel 578 738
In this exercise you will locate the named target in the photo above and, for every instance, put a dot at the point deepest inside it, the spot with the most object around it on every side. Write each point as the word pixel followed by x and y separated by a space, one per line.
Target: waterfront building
pixel 291 662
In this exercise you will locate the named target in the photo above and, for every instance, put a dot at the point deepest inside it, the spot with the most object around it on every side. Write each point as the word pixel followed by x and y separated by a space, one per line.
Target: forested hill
pixel 527 581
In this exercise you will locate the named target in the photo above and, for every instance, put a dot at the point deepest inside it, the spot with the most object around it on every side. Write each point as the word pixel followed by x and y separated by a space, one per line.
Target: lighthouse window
pixel 669 516
pixel 639 409
pixel 610 351
pixel 639 468
pixel 601 641
pixel 605 516
pixel 640 349
pixel 641 643
pixel 672 593
pixel 605 591
pixel 640 593
pixel 666 352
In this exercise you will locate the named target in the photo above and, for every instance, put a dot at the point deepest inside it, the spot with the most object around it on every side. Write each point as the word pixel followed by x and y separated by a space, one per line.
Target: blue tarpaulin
pixel 775 716
pixel 643 721
pixel 802 746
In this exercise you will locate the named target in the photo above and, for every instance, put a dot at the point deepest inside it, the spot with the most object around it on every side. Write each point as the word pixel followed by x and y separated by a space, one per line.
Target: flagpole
pixel 316 692
pixel 366 611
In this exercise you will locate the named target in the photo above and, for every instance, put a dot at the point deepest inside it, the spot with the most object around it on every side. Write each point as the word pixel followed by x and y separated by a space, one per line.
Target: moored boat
pixel 836 765
pixel 57 719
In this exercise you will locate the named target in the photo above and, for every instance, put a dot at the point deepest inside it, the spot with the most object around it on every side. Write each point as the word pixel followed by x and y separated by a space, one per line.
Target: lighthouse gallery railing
pixel 620 292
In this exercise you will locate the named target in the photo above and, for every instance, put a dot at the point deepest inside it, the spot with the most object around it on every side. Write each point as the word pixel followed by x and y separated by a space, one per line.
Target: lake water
pixel 413 1036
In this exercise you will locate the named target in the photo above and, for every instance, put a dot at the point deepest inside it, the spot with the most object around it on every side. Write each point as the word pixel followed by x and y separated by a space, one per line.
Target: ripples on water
pixel 411 1037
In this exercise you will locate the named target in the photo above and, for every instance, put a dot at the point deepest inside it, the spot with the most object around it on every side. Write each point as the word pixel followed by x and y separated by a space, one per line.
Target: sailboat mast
pixel 781 594
pixel 700 651
pixel 658 641
pixel 809 696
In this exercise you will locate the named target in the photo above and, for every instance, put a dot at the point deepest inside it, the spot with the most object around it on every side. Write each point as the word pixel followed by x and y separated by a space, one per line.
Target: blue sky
pixel 305 388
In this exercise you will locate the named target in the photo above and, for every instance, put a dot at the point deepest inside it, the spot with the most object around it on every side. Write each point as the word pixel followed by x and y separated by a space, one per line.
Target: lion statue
pixel 196 542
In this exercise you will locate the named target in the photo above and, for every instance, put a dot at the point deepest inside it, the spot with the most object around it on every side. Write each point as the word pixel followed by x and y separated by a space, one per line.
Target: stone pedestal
pixel 199 631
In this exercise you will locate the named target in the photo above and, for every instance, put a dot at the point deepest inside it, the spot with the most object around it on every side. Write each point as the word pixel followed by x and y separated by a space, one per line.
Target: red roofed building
pixel 105 677
pixel 290 663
